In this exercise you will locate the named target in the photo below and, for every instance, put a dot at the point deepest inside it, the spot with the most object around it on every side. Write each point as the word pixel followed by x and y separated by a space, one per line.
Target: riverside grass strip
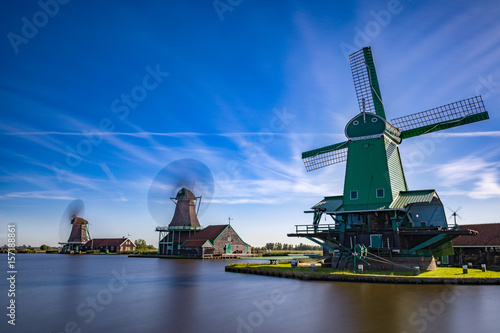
pixel 439 276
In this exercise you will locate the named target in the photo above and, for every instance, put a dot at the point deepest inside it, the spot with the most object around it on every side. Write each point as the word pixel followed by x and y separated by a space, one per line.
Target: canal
pixel 108 293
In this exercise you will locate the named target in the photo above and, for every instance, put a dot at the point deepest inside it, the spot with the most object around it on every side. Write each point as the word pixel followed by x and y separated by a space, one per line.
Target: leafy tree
pixel 270 246
pixel 45 247
pixel 142 246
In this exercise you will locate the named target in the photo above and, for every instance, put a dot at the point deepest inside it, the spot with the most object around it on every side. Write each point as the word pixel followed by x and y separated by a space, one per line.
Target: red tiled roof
pixel 211 232
pixel 194 243
pixel 106 242
pixel 489 235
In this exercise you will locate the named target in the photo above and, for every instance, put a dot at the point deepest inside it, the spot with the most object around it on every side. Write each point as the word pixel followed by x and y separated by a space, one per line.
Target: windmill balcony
pixel 315 229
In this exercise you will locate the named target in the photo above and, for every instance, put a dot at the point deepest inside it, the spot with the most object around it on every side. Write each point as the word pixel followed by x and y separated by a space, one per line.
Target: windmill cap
pixel 184 193
pixel 78 220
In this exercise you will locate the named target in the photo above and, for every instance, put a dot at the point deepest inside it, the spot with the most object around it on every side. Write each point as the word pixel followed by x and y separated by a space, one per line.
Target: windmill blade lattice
pixel 447 116
pixel 322 157
pixel 366 82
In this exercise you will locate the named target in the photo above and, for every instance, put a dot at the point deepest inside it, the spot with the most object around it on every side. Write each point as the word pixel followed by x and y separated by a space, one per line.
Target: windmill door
pixel 228 248
pixel 375 241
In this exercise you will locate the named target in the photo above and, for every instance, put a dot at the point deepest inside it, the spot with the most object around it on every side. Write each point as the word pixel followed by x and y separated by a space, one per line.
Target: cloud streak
pixel 483 177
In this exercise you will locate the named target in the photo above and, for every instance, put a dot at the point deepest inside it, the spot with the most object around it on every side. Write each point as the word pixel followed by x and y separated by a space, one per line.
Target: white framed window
pixel 380 193
pixel 354 195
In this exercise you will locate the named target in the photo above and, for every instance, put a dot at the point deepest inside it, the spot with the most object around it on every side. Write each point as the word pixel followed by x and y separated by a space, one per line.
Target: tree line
pixel 289 247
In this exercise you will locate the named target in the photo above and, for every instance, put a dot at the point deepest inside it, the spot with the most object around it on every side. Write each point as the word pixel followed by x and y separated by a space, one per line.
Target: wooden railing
pixel 310 229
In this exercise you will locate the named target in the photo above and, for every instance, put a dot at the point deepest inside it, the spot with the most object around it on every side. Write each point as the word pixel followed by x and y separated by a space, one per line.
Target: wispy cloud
pixel 488 185
pixel 146 134
pixel 49 195
pixel 468 134
pixel 483 177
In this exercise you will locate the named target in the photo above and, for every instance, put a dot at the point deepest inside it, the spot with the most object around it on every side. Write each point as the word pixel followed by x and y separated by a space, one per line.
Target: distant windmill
pixel 455 215
pixel 184 173
pixel 74 226
pixel 184 223
pixel 187 206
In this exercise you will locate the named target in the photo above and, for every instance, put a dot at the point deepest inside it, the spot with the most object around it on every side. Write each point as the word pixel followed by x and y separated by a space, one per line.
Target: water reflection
pixel 120 294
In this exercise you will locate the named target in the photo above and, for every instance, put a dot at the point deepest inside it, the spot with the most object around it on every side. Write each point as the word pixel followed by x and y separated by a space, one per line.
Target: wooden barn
pixel 109 245
pixel 482 249
pixel 214 240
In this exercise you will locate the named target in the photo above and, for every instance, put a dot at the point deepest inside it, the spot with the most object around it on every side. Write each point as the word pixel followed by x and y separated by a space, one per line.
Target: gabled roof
pixel 197 243
pixel 406 198
pixel 489 236
pixel 107 242
pixel 211 232
pixel 330 204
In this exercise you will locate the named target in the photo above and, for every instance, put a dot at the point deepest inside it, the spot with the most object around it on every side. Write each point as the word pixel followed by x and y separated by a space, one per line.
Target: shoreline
pixel 363 278
pixel 170 256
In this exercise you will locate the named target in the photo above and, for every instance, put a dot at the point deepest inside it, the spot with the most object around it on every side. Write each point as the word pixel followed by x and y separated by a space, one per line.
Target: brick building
pixel 109 245
pixel 214 240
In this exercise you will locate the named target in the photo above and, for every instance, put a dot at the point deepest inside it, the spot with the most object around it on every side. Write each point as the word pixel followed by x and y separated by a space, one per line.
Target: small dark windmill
pixel 455 215
pixel 73 224
pixel 376 207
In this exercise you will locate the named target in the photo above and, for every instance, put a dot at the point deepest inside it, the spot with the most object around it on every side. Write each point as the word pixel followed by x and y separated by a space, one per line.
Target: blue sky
pixel 98 98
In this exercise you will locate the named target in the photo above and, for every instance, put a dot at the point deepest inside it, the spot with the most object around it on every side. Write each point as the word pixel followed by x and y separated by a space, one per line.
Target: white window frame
pixel 383 193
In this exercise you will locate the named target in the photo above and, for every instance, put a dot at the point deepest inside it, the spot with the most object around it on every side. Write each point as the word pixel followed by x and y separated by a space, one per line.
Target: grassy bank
pixel 441 272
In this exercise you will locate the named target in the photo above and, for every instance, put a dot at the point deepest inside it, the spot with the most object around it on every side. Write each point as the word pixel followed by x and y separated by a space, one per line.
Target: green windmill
pixel 376 207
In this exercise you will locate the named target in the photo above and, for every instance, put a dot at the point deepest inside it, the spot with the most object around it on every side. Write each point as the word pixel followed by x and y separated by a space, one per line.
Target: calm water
pixel 59 293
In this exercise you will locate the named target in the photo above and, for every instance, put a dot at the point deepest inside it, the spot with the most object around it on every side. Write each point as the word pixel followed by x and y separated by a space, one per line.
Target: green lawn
pixel 441 272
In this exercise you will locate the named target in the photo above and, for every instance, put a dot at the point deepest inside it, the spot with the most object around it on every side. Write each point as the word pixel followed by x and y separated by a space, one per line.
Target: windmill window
pixel 354 195
pixel 374 120
pixel 380 193
pixel 355 122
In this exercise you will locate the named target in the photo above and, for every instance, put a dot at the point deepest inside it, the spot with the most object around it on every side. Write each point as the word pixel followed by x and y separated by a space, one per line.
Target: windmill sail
pixel 322 157
pixel 366 82
pixel 447 116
